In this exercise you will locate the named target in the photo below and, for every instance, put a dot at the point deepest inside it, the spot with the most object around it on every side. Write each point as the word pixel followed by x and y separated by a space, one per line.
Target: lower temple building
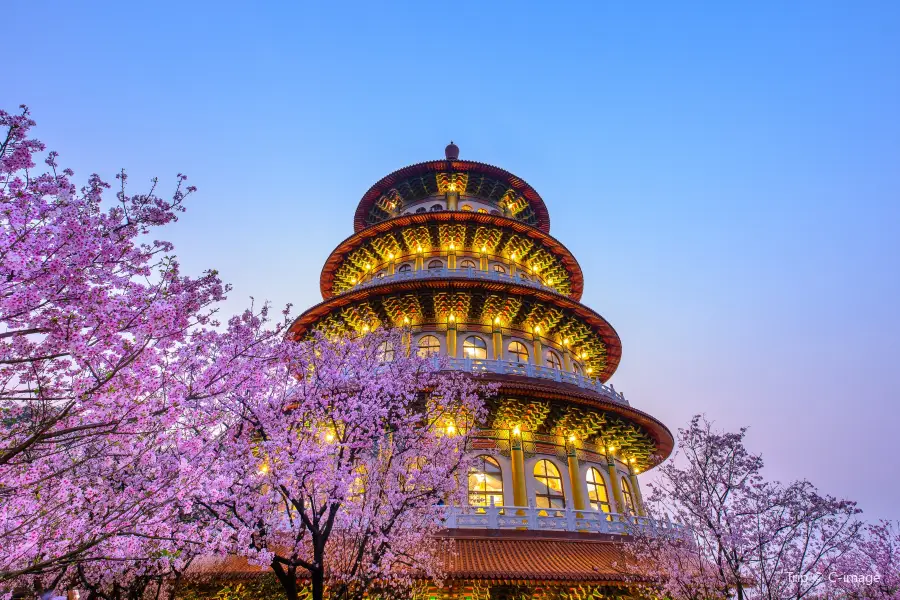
pixel 460 252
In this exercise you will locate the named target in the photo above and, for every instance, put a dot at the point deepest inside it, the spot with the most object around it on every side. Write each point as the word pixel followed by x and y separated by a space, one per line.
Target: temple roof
pixel 476 179
pixel 496 556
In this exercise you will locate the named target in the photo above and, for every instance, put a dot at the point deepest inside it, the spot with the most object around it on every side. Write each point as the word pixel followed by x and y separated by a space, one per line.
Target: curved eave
pixel 567 392
pixel 337 256
pixel 459 166
pixel 601 326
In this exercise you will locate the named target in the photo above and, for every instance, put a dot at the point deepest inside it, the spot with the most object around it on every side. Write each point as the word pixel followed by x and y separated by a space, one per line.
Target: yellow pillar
pixel 567 356
pixel 452 200
pixel 451 257
pixel 498 340
pixel 520 495
pixel 512 265
pixel 483 261
pixel 614 480
pixel 538 347
pixel 391 265
pixel 451 336
pixel 636 492
pixel 420 260
pixel 578 499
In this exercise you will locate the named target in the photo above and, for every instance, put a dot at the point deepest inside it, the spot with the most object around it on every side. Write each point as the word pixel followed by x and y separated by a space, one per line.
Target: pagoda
pixel 460 253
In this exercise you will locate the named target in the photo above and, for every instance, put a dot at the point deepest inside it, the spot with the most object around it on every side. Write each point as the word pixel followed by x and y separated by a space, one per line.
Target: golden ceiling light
pixel 516 431
pixel 452 318
pixel 406 320
pixel 483 249
pixel 452 247
pixel 391 256
pixel 418 247
pixel 572 438
pixel 537 328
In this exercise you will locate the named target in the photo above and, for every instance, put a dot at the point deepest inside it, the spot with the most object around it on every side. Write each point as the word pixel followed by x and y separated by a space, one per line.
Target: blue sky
pixel 728 174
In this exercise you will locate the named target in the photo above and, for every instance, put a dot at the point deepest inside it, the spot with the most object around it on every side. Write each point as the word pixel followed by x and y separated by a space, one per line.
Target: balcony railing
pixel 444 273
pixel 549 519
pixel 506 367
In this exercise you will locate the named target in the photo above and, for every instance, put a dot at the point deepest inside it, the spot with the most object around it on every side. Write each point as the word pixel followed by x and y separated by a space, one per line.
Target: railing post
pixel 532 516
pixel 570 520
pixel 492 515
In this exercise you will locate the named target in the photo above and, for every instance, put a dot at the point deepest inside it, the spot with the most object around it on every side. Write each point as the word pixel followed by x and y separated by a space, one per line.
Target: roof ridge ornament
pixel 451 151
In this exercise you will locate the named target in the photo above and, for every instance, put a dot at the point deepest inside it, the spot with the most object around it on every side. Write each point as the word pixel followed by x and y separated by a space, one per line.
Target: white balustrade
pixel 555 519
pixel 444 273
pixel 506 367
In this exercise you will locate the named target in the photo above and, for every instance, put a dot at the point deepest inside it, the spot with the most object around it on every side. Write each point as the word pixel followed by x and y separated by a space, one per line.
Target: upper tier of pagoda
pixel 480 187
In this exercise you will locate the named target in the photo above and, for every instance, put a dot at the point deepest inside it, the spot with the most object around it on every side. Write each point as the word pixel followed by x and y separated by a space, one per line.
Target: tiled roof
pixel 509 556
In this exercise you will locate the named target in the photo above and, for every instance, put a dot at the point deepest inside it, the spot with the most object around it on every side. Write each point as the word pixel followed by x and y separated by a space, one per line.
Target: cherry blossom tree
pixel 337 460
pixel 745 537
pixel 97 358
pixel 871 570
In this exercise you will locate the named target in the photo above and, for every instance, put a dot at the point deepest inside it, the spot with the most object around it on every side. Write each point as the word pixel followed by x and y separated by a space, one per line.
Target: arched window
pixel 379 274
pixel 436 208
pixel 467 207
pixel 524 277
pixel 627 497
pixel 482 211
pixel 596 486
pixel 421 209
pixel 517 352
pixel 499 269
pixel 553 360
pixel 428 346
pixel 385 352
pixel 405 268
pixel 435 264
pixel 485 482
pixel 474 347
pixel 466 264
pixel 576 368
pixel 549 490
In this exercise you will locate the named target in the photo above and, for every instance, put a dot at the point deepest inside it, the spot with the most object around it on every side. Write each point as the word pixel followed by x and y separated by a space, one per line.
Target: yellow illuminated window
pixel 482 211
pixel 435 264
pixel 466 207
pixel 499 268
pixel 474 347
pixel 466 264
pixel 549 490
pixel 596 486
pixel 428 346
pixel 518 352
pixel 553 360
pixel 485 482
pixel 385 352
pixel 626 495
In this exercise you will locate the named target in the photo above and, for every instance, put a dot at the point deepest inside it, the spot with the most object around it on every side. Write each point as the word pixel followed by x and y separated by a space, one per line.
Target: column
pixel 498 340
pixel 451 257
pixel 567 356
pixel 391 264
pixel 520 495
pixel 452 200
pixel 614 481
pixel 451 336
pixel 538 347
pixel 483 259
pixel 512 265
pixel 578 499
pixel 420 259
pixel 636 492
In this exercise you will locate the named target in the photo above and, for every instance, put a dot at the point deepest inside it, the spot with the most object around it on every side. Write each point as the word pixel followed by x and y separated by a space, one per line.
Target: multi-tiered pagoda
pixel 460 252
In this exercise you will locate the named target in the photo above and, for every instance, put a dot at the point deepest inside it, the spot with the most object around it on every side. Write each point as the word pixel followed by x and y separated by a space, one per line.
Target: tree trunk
pixel 317 578
pixel 287 578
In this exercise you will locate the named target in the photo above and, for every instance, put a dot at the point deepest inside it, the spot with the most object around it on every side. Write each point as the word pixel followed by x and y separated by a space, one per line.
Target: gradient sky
pixel 728 175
